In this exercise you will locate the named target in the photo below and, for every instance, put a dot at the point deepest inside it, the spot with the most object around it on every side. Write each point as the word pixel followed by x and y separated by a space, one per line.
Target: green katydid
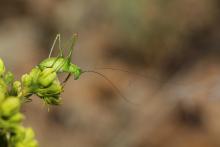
pixel 60 63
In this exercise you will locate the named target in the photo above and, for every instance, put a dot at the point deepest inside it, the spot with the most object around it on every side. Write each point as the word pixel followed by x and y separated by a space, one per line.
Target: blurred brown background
pixel 174 43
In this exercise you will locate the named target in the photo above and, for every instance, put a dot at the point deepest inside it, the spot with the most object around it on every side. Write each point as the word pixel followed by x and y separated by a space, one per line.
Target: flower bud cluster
pixel 11 131
pixel 25 137
pixel 44 83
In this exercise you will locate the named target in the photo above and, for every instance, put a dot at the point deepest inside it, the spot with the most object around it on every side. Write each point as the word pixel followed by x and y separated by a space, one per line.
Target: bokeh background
pixel 174 44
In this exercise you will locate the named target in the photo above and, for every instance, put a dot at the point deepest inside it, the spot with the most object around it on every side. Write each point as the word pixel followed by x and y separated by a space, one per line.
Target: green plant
pixel 12 95
pixel 41 81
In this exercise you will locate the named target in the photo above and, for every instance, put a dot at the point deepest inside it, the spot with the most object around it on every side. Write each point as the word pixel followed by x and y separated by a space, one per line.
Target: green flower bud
pixel 9 78
pixel 52 100
pixel 16 88
pixel 29 134
pixel 26 80
pixel 51 95
pixel 25 137
pixel 3 90
pixel 47 76
pixel 20 145
pixel 10 106
pixel 17 118
pixel 3 86
pixel 35 72
pixel 20 132
pixel 32 143
pixel 2 67
pixel 54 89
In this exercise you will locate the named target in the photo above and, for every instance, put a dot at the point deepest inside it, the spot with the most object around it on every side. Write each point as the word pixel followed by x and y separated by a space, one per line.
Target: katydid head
pixel 75 70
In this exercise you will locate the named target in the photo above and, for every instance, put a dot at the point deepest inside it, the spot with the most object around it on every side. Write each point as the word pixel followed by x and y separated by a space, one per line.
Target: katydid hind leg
pixel 73 42
pixel 59 44
pixel 54 42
